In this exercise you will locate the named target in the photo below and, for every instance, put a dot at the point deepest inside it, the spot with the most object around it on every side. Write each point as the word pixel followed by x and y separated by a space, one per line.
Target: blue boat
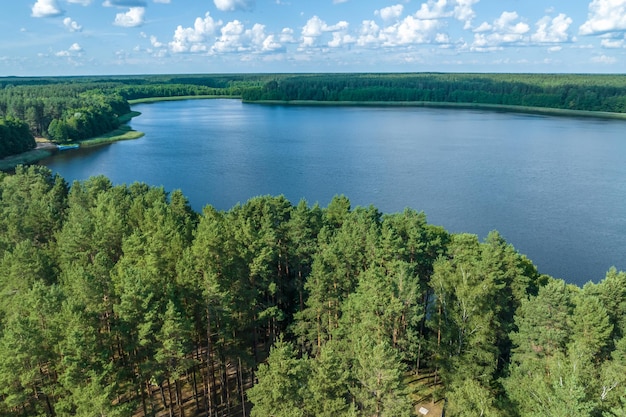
pixel 66 147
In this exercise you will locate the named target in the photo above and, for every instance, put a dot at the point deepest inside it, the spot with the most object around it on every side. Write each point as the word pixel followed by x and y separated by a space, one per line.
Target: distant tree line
pixel 576 92
pixel 121 300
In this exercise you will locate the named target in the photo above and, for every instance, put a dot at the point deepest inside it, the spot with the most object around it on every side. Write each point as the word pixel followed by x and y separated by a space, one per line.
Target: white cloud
pixel 369 34
pixel 484 27
pixel 270 44
pixel 605 16
pixel 286 36
pixel 46 8
pixel 194 39
pixel 232 5
pixel 505 30
pixel 155 43
pixel 412 31
pixel 442 38
pixel 162 1
pixel 74 50
pixel 603 59
pixel 81 2
pixel 463 11
pixel 612 43
pixel 230 40
pixel 132 18
pixel 506 24
pixel 391 12
pixel 409 31
pixel 72 25
pixel 552 30
pixel 124 3
pixel 316 27
pixel 236 38
pixel 433 10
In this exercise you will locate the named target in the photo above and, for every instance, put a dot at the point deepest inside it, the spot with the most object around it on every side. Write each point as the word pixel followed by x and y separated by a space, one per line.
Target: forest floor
pixel 423 392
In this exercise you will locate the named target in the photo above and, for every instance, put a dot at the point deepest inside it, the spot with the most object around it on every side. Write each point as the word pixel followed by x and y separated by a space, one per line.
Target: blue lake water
pixel 553 187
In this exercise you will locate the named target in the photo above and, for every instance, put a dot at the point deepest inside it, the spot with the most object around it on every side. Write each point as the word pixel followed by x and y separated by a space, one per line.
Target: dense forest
pixel 68 109
pixel 121 300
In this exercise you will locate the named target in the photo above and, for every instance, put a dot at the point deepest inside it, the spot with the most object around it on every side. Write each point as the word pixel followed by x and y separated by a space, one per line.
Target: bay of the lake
pixel 554 187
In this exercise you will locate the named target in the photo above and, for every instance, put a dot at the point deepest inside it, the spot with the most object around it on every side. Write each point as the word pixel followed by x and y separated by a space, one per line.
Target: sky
pixel 109 37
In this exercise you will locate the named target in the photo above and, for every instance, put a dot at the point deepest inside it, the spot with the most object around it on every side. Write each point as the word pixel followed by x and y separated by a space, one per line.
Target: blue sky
pixel 89 37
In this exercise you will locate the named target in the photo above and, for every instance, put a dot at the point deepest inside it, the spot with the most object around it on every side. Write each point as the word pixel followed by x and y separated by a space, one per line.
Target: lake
pixel 553 187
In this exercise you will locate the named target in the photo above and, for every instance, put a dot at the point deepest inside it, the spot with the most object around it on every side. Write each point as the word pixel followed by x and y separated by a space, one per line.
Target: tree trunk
pixel 243 397
pixel 210 369
pixel 169 394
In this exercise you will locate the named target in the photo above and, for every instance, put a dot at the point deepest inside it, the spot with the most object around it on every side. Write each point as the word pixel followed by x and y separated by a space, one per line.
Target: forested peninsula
pixel 120 300
pixel 73 109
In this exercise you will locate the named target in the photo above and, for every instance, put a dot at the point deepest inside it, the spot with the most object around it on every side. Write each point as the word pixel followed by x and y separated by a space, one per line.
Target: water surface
pixel 553 187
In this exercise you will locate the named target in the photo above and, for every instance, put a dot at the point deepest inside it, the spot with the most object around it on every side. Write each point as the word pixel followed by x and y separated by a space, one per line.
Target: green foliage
pixel 282 387
pixel 562 91
pixel 120 300
pixel 15 137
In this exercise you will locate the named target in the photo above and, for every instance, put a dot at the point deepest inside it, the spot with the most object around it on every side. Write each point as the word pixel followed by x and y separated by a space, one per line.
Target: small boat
pixel 66 147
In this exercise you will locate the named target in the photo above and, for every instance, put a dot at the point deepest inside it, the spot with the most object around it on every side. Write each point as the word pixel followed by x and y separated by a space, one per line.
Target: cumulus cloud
pixel 552 30
pixel 391 12
pixel 287 36
pixel 155 43
pixel 236 38
pixel 369 33
pixel 74 50
pixel 610 43
pixel 194 39
pixel 408 31
pixel 461 10
pixel 232 5
pixel 124 3
pixel 433 10
pixel 412 31
pixel 46 8
pixel 132 18
pixel 605 16
pixel 316 27
pixel 230 40
pixel 72 25
pixel 81 2
pixel 503 31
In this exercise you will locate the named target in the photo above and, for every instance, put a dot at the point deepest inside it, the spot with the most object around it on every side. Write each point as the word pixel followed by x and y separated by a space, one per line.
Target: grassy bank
pixel 124 132
pixel 10 162
pixel 175 98
pixel 435 104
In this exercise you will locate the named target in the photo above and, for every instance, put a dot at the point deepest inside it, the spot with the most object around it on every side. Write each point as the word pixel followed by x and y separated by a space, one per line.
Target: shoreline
pixel 177 98
pixel 545 111
pixel 45 148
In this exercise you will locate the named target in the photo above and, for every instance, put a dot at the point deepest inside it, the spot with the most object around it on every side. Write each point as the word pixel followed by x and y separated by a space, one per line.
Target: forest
pixel 71 109
pixel 120 300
